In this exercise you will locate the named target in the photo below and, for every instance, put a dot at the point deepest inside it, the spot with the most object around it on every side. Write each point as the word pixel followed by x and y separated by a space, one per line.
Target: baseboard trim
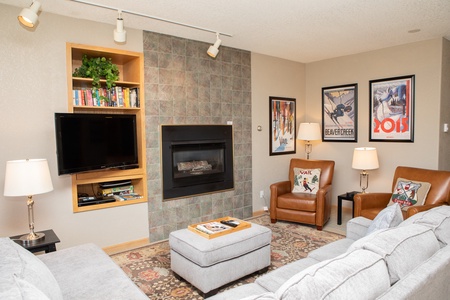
pixel 126 246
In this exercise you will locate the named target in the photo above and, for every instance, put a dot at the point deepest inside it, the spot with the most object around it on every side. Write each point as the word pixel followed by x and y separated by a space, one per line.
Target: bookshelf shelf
pixel 131 76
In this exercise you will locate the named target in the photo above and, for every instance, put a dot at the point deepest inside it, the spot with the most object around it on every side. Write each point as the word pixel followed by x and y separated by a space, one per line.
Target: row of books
pixel 115 97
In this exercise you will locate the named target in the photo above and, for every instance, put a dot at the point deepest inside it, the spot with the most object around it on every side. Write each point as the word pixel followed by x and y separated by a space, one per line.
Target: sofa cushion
pixel 438 219
pixel 265 296
pixel 16 260
pixel 403 248
pixel 389 217
pixel 331 250
pixel 306 180
pixel 339 277
pixel 408 193
pixel 273 280
pixel 87 272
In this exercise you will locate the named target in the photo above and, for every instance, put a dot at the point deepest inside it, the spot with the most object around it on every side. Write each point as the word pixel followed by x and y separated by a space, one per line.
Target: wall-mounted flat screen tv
pixel 87 142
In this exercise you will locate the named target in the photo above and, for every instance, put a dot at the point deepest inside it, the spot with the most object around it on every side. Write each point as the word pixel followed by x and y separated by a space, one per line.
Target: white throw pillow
pixel 16 260
pixel 306 180
pixel 389 217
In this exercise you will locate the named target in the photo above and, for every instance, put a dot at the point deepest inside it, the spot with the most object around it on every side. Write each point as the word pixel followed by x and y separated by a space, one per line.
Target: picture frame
pixel 340 113
pixel 282 125
pixel 392 109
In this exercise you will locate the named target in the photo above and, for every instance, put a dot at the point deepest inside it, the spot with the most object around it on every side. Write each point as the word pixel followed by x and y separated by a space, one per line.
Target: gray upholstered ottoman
pixel 211 263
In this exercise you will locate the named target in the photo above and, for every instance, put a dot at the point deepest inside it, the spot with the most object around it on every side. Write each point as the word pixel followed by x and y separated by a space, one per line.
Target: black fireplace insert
pixel 196 159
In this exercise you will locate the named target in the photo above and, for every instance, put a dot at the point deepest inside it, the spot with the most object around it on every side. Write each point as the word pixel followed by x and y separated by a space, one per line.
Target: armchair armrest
pixel 370 200
pixel 277 189
pixel 419 208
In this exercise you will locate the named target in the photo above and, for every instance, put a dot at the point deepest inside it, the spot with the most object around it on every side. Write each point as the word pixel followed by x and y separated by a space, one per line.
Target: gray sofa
pixel 408 261
pixel 81 272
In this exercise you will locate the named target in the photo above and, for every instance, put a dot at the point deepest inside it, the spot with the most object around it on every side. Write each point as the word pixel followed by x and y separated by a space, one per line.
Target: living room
pixel 35 84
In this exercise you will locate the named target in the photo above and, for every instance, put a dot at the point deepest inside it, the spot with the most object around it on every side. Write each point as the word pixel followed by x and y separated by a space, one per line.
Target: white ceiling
pixel 298 30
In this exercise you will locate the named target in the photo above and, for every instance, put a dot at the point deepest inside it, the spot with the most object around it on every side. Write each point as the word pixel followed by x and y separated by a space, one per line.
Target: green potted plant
pixel 98 68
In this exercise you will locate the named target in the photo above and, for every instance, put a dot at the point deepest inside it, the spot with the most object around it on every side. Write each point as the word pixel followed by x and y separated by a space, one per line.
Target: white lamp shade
pixel 27 177
pixel 309 132
pixel 365 158
pixel 28 16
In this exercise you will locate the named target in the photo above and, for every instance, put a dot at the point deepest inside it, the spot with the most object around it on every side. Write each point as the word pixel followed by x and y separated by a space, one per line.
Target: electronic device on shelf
pixel 87 142
pixel 114 183
pixel 99 200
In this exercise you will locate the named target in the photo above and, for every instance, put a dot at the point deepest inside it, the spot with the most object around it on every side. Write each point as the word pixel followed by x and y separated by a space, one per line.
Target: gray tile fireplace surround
pixel 183 85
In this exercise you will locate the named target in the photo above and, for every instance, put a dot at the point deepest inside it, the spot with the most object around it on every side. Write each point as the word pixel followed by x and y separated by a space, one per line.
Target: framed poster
pixel 392 109
pixel 340 113
pixel 282 126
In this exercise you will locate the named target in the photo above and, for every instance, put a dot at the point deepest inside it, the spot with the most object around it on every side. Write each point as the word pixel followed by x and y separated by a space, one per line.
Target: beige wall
pixel 444 137
pixel 272 76
pixel 34 87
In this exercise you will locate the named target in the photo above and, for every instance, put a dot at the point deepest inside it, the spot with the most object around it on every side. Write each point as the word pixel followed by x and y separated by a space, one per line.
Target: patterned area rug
pixel 149 266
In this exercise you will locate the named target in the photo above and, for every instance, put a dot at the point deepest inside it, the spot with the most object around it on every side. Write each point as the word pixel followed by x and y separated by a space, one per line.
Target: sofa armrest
pixel 357 228
pixel 369 201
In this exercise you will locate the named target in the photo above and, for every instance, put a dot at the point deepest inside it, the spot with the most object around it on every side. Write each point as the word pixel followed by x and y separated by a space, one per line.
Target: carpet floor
pixel 149 266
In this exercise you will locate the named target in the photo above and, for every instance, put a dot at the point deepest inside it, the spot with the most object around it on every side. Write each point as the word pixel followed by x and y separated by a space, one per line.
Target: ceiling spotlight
pixel 28 16
pixel 214 49
pixel 120 35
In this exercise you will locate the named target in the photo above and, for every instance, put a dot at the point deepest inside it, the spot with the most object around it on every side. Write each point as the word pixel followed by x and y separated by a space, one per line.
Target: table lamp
pixel 309 132
pixel 364 159
pixel 28 177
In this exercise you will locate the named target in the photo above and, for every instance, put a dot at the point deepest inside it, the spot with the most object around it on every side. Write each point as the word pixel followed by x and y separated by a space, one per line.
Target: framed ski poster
pixel 392 109
pixel 282 126
pixel 340 113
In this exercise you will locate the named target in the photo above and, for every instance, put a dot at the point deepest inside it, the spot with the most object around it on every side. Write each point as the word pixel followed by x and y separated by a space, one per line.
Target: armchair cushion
pixel 408 193
pixel 306 180
pixel 389 217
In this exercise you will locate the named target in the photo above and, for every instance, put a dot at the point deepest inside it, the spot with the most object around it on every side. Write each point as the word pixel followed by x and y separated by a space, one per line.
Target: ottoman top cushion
pixel 207 252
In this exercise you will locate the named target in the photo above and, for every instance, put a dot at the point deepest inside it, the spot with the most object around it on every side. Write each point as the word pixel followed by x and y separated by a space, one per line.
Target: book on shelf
pixel 212 227
pixel 125 197
pixel 115 97
pixel 126 189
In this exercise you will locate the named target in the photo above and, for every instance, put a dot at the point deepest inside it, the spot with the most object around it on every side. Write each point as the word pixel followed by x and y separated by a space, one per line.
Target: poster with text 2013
pixel 392 109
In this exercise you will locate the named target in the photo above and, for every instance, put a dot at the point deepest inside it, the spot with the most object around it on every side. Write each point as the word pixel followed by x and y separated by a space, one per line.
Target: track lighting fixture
pixel 28 16
pixel 120 35
pixel 214 49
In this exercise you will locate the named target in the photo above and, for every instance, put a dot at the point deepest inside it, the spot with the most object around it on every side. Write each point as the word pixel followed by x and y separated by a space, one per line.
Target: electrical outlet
pixel 261 194
pixel 266 208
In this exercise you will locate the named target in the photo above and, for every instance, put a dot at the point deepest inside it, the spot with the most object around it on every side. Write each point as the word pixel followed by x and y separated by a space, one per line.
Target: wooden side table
pixel 47 244
pixel 347 196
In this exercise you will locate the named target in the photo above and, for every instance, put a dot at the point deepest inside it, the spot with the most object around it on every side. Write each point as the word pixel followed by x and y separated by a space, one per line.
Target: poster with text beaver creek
pixel 392 109
pixel 339 113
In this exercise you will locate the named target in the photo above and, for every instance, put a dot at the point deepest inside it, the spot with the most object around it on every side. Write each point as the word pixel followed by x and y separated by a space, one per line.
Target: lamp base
pixel 32 238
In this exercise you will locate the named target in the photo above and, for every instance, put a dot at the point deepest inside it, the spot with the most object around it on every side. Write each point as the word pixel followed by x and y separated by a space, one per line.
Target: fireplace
pixel 196 159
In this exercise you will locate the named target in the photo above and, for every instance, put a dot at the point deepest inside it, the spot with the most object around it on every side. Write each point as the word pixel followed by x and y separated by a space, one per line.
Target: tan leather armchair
pixel 313 209
pixel 370 204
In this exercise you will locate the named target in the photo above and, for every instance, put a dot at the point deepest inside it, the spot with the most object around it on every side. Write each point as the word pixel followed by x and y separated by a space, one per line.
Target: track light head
pixel 120 35
pixel 28 16
pixel 214 49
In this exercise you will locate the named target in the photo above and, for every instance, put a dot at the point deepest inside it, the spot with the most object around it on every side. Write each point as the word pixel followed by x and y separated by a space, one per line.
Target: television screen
pixel 86 142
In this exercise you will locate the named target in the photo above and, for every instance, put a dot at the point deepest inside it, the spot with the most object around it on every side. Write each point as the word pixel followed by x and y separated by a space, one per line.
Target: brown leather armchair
pixel 314 209
pixel 370 204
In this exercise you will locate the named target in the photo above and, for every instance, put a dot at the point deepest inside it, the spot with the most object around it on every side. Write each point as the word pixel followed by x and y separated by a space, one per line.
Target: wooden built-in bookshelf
pixel 131 76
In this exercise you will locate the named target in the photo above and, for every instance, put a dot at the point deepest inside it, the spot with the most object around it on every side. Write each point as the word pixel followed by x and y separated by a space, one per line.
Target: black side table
pixel 347 196
pixel 47 244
